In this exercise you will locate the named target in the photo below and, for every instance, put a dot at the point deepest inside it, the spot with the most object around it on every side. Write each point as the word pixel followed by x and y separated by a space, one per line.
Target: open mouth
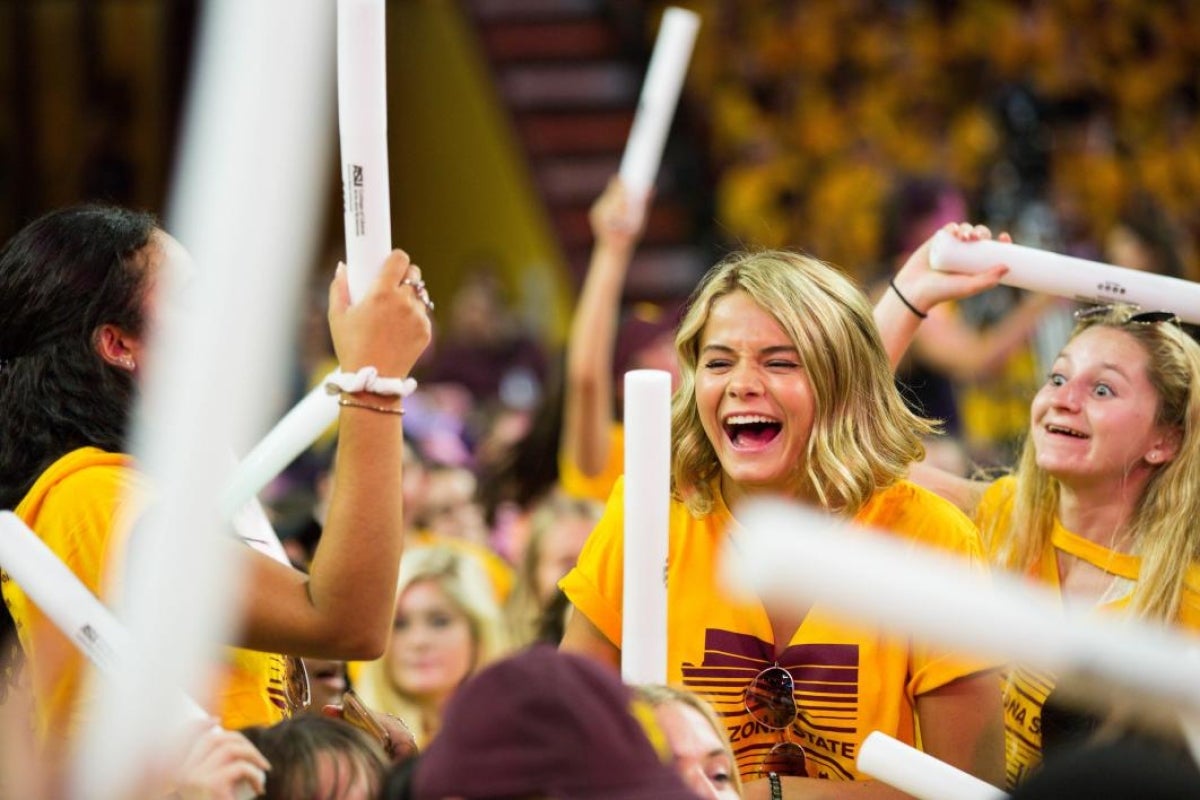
pixel 751 430
pixel 1063 431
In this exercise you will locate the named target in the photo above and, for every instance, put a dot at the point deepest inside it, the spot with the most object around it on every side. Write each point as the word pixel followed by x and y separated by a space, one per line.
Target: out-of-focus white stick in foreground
pixel 292 435
pixel 1077 278
pixel 920 774
pixel 245 199
pixel 80 616
pixel 660 96
pixel 793 556
pixel 71 607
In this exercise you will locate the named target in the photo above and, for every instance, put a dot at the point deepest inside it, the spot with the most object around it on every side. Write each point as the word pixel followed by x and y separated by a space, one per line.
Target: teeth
pixel 748 419
pixel 1067 431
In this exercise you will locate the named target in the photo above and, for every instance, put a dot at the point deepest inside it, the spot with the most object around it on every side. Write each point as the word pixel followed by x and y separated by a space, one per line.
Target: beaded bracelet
pixel 344 403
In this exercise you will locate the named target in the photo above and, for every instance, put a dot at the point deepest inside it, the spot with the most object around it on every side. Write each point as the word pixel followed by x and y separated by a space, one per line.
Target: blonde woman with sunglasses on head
pixel 786 390
pixel 1102 505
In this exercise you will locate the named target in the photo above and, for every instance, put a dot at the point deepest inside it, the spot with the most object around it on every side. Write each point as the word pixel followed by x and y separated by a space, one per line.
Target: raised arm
pixel 343 608
pixel 617 222
pixel 917 289
pixel 911 304
pixel 943 341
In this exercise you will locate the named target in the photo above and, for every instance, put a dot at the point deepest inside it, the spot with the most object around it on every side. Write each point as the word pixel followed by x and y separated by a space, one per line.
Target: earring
pixel 1152 457
pixel 127 363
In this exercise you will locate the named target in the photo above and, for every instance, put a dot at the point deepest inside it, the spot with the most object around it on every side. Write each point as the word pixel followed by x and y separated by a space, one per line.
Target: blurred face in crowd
pixel 432 648
pixel 700 756
pixel 560 546
pixel 413 485
pixel 326 682
pixel 660 354
pixel 450 507
pixel 1125 248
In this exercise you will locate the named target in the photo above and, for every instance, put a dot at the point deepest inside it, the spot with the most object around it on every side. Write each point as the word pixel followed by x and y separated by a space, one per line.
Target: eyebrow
pixel 1111 366
pixel 774 349
pixel 1114 367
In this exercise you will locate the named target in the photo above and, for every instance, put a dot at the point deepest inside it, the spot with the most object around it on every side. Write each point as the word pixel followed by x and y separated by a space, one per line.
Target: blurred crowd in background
pixel 851 130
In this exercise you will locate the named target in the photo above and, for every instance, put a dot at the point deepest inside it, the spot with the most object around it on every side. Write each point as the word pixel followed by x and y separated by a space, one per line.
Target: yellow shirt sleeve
pixel 575 484
pixel 597 583
pixel 72 507
pixel 82 507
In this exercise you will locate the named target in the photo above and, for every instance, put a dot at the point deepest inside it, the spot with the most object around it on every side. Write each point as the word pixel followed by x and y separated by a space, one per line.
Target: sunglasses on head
pixel 1139 318
pixel 770 699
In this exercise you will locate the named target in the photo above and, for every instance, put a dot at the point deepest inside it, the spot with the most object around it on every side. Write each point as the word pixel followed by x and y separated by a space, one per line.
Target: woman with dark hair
pixel 63 278
pixel 80 293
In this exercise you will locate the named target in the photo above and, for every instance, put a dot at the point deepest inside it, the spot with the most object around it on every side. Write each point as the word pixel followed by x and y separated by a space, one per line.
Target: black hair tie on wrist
pixel 903 299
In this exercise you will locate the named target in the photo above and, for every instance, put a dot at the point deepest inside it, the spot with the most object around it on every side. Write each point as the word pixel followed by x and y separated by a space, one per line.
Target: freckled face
pixel 1094 419
pixel 754 398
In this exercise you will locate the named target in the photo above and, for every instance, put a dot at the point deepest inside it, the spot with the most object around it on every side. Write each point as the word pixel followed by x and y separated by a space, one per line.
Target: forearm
pixel 949 345
pixel 897 325
pixel 588 403
pixel 343 608
pixel 916 289
pixel 352 582
pixel 1014 331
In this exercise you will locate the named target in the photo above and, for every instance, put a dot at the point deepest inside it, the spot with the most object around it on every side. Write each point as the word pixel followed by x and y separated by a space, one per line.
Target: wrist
pixel 367 380
pixel 909 298
pixel 367 401
pixel 776 786
pixel 615 246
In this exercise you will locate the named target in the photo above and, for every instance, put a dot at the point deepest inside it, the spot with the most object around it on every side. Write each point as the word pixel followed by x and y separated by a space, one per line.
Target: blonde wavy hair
pixel 863 436
pixel 468 587
pixel 1163 525
pixel 657 695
